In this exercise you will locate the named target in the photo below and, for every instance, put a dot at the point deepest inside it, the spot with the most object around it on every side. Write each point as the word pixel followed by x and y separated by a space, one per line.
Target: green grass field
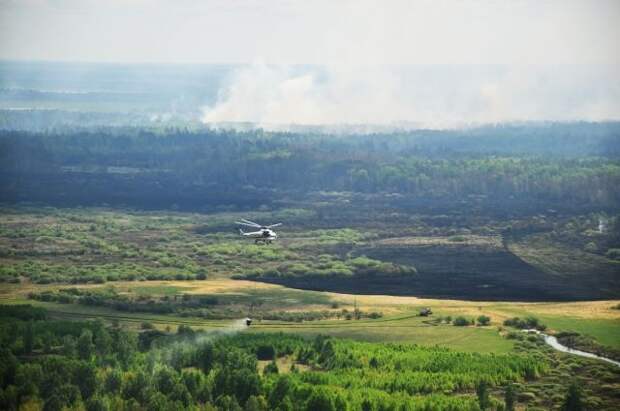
pixel 606 332
pixel 399 324
pixel 469 339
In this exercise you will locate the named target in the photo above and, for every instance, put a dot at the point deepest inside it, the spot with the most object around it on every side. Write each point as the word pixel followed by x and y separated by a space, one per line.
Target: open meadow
pixel 399 321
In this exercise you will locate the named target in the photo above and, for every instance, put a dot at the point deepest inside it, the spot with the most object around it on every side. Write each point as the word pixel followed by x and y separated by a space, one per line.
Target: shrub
pixel 513 335
pixel 460 321
pixel 613 253
pixel 482 393
pixel 526 396
pixel 484 320
pixel 532 338
pixel 209 300
pixel 271 368
pixel 265 352
pixel 510 397
pixel 185 330
pixel 527 323
pixel 591 247
pixel 147 326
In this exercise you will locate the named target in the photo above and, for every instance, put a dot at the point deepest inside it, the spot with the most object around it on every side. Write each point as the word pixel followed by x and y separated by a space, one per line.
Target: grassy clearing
pixel 159 289
pixel 606 332
pixel 492 241
pixel 469 339
pixel 308 300
pixel 399 324
pixel 558 259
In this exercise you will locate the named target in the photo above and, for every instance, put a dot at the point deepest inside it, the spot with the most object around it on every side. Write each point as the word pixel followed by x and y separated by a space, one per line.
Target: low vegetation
pixel 52 364
pixel 528 323
pixel 187 305
pixel 396 254
pixel 58 364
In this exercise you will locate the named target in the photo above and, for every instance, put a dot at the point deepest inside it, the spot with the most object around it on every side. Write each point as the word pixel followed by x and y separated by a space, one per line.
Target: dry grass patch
pixel 558 259
pixel 456 240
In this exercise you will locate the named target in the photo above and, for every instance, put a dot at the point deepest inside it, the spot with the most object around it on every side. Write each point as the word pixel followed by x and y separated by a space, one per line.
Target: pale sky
pixel 318 31
pixel 437 63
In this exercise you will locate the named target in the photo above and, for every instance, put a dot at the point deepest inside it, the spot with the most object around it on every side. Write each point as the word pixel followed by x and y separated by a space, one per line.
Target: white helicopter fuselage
pixel 263 234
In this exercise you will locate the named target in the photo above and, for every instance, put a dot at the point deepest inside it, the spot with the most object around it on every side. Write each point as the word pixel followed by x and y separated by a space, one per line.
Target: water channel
pixel 554 343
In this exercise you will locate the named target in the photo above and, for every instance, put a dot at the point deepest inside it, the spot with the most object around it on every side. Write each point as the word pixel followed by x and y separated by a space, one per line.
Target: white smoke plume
pixel 168 353
pixel 439 96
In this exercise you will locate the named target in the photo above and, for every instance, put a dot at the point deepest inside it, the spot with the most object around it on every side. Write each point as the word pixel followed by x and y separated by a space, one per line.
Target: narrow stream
pixel 553 342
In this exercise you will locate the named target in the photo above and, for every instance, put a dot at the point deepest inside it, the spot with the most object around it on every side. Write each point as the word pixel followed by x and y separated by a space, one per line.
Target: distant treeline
pixel 550 165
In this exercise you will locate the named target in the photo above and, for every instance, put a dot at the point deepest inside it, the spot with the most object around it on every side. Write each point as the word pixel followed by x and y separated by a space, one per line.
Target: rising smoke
pixel 440 96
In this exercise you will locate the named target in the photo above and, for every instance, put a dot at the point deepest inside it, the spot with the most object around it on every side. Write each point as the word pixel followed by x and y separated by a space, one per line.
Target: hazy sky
pixel 317 31
pixel 471 61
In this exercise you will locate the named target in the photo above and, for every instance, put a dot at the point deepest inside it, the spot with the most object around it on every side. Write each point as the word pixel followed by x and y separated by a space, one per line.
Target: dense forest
pixel 525 167
pixel 88 364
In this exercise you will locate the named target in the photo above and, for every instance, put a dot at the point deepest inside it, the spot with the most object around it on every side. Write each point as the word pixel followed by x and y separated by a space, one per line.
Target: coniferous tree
pixel 85 346
pixel 68 346
pixel 256 403
pixel 572 401
pixel 510 397
pixel 320 400
pixel 28 337
pixel 271 368
pixel 483 395
pixel 113 381
pixel 228 403
pixel 103 341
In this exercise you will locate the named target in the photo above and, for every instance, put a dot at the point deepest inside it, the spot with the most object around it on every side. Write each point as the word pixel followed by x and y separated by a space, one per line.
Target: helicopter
pixel 265 234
